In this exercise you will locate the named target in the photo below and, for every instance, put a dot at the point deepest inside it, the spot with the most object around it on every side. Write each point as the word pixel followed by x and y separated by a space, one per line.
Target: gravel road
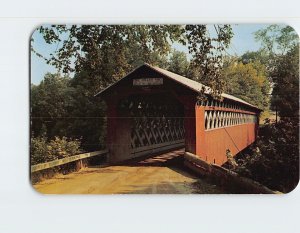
pixel 155 175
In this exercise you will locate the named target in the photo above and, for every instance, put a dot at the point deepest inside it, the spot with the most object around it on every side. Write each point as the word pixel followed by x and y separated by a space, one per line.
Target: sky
pixel 242 41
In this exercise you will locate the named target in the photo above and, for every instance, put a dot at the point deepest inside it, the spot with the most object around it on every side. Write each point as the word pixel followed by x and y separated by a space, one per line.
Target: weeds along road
pixel 158 175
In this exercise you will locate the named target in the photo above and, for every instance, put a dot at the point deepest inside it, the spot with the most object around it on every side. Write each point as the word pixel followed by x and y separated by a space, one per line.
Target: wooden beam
pixel 58 162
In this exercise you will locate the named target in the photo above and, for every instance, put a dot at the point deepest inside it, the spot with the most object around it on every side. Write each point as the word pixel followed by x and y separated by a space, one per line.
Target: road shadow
pixel 156 160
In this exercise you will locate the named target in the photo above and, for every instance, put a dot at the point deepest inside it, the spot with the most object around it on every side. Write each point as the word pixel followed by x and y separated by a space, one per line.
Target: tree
pixel 50 100
pixel 178 63
pixel 286 84
pixel 260 56
pixel 108 52
pixel 67 107
pixel 276 40
pixel 248 82
pixel 89 114
pixel 207 54
pixel 280 45
pixel 277 166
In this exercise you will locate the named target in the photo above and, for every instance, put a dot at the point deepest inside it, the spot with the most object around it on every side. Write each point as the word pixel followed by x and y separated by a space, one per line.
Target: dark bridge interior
pixel 156 122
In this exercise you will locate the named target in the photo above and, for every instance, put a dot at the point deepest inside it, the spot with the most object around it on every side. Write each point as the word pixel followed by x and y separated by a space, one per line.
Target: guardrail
pixel 58 162
pixel 224 176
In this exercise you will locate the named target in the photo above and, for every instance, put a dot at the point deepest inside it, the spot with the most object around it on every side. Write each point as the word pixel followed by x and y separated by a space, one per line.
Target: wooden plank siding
pixel 211 145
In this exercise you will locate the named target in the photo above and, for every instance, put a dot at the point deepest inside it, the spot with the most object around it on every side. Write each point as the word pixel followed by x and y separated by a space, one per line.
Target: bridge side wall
pixel 211 144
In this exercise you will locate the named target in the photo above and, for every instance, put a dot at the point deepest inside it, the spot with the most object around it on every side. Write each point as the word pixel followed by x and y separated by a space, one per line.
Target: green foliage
pixel 255 56
pixel 286 84
pixel 276 162
pixel 248 82
pixel 277 39
pixel 207 53
pixel 50 101
pixel 67 107
pixel 38 150
pixel 274 159
pixel 280 55
pixel 50 95
pixel 107 52
pixel 58 148
pixel 178 63
pixel 89 114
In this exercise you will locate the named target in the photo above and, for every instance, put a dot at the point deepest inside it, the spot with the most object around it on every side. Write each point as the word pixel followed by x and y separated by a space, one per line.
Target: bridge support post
pixel 189 123
pixel 200 131
pixel 118 133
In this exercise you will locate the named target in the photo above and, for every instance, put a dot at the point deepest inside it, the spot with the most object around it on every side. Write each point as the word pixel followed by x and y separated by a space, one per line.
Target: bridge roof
pixel 189 83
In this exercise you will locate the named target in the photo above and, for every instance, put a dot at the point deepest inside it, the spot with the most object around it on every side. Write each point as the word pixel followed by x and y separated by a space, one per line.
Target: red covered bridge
pixel 152 110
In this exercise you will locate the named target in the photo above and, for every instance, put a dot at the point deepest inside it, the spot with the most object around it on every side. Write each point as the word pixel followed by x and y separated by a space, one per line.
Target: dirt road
pixel 148 176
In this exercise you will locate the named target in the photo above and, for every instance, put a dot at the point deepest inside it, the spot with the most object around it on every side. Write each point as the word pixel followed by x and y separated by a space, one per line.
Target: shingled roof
pixel 189 83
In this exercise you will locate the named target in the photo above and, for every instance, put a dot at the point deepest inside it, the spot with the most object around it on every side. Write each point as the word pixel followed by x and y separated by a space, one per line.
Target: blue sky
pixel 242 41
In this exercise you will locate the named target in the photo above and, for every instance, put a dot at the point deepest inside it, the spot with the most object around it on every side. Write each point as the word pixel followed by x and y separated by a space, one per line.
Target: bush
pixel 38 150
pixel 58 148
pixel 274 159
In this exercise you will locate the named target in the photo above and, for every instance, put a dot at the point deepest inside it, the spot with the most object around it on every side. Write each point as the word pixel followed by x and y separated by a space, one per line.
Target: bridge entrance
pixel 148 113
pixel 156 123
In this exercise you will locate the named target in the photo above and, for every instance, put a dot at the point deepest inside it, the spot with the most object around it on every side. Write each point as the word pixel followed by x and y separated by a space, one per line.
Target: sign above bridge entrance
pixel 148 81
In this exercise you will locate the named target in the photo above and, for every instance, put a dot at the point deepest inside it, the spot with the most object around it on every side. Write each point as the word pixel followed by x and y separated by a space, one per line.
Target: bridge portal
pixel 152 110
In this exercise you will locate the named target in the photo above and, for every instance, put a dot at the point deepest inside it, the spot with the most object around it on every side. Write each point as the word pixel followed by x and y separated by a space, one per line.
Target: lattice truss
pixel 216 118
pixel 154 120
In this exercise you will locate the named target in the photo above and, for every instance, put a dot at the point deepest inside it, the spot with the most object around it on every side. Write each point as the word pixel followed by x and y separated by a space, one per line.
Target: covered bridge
pixel 152 110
